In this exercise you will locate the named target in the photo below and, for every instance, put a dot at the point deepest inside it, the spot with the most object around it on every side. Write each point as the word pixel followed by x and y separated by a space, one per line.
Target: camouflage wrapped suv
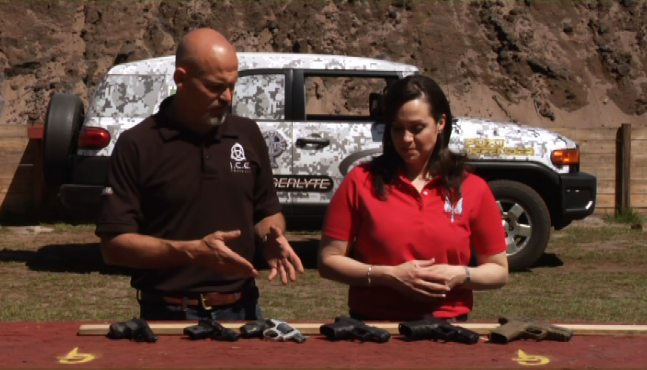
pixel 314 111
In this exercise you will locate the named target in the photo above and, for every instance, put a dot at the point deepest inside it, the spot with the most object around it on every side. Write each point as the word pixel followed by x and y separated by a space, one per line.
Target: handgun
pixel 281 331
pixel 136 329
pixel 346 328
pixel 436 329
pixel 209 328
pixel 513 327
pixel 254 329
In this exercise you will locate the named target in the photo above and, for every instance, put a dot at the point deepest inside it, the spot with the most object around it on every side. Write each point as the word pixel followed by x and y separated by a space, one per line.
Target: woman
pixel 412 217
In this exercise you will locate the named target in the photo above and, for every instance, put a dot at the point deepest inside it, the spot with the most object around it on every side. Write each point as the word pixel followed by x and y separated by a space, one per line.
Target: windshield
pixel 126 96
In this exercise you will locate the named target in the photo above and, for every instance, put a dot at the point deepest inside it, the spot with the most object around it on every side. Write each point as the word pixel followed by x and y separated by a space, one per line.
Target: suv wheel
pixel 63 120
pixel 526 222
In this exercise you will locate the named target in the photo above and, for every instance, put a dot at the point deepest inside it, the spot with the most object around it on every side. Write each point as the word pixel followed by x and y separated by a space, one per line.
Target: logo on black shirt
pixel 238 161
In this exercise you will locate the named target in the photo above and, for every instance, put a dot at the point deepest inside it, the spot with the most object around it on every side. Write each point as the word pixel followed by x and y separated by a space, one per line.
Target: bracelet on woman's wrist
pixel 468 275
pixel 368 275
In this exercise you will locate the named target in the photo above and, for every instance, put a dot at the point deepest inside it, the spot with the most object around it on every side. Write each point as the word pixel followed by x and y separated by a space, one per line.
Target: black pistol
pixel 254 329
pixel 346 328
pixel 136 329
pixel 435 329
pixel 209 328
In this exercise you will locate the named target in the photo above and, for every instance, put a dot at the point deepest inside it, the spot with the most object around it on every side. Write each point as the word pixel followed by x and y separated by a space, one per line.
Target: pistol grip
pixel 535 333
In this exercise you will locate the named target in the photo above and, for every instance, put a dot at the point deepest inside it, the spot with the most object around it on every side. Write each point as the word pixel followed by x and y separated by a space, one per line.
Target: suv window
pixel 335 98
pixel 126 96
pixel 260 97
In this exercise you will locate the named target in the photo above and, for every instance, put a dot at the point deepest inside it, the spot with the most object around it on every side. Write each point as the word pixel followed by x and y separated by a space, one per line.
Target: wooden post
pixel 624 169
pixel 35 136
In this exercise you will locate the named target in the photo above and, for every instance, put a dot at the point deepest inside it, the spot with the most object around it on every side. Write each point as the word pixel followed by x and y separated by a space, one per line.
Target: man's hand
pixel 417 280
pixel 281 257
pixel 213 252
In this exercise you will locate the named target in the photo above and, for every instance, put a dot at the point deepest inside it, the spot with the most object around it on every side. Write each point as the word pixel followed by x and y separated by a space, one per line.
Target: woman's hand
pixel 417 280
pixel 452 274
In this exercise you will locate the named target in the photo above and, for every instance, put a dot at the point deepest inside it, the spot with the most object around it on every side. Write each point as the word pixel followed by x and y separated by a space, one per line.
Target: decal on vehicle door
pixel 303 183
pixel 276 145
pixel 494 147
pixel 354 159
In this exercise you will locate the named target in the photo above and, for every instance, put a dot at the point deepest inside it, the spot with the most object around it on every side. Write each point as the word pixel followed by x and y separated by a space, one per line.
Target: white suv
pixel 314 111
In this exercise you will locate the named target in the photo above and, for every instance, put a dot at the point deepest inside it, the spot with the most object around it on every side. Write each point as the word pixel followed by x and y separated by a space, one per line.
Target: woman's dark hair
pixel 450 167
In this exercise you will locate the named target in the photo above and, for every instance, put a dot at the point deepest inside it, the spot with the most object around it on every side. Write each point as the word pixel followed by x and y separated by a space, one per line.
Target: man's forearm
pixel 145 252
pixel 263 226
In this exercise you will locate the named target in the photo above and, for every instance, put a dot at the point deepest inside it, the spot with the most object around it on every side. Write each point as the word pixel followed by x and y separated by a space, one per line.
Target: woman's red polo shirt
pixel 411 225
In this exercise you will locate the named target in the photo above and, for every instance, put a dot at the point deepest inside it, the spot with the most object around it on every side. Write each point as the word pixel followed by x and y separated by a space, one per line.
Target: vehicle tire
pixel 63 120
pixel 526 222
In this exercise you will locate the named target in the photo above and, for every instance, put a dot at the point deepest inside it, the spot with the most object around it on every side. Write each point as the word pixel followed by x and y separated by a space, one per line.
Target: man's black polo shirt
pixel 168 182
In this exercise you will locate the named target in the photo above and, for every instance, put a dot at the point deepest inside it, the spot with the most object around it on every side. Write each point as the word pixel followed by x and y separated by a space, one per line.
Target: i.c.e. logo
pixel 238 161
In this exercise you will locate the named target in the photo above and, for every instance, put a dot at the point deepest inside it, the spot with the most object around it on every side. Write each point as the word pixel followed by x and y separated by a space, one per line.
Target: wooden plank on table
pixel 391 327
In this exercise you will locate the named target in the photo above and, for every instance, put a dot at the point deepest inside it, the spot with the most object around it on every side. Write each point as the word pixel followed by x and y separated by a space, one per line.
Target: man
pixel 190 192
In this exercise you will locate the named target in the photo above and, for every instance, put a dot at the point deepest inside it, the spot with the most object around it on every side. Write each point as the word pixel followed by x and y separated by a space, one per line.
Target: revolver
pixel 524 328
pixel 281 331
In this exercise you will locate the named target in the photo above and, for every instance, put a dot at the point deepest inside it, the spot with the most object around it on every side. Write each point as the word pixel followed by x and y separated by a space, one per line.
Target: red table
pixel 56 344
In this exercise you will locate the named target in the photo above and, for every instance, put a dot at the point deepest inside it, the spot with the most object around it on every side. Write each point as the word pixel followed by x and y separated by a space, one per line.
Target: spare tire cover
pixel 63 121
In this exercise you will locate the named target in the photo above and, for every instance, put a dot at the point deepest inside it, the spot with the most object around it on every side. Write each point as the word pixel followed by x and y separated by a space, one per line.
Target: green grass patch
pixel 601 277
pixel 626 216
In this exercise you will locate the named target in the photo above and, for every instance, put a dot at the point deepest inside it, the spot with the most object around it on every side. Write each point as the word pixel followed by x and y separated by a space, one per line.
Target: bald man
pixel 190 195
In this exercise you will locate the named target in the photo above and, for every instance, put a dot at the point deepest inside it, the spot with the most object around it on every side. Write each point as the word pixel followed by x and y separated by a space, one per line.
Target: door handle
pixel 319 142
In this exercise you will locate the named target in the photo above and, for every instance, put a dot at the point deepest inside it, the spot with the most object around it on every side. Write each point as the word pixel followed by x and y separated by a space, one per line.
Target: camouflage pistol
pixel 524 328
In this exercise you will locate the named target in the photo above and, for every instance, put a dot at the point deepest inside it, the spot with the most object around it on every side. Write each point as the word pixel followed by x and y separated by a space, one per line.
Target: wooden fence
pixel 618 158
pixel 22 191
pixel 21 185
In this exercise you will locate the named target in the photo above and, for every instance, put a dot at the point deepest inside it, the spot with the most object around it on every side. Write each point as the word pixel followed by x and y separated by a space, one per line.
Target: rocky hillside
pixel 546 63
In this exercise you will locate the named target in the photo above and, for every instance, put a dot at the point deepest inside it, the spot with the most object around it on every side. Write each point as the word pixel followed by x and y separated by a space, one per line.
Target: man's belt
pixel 206 300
